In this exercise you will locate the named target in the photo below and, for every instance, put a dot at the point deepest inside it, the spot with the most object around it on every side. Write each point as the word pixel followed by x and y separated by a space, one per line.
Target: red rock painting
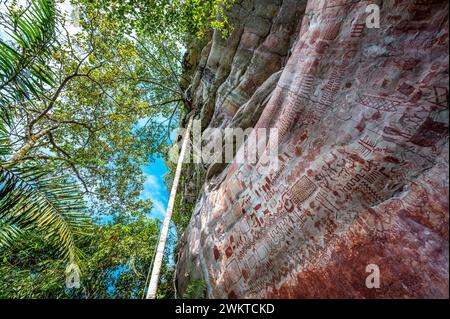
pixel 363 120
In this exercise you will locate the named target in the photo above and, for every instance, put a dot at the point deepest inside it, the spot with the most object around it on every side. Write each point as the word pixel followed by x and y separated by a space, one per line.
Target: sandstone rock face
pixel 363 170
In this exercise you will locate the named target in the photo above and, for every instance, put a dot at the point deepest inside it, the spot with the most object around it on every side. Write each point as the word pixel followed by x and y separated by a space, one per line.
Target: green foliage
pixel 123 65
pixel 116 261
pixel 201 15
pixel 80 113
pixel 196 289
pixel 166 288
pixel 32 197
pixel 30 268
pixel 188 190
pixel 85 125
pixel 175 19
pixel 24 48
pixel 9 233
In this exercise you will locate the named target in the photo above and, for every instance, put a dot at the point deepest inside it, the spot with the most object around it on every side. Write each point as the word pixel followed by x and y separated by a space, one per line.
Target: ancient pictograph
pixel 302 190
pixel 363 165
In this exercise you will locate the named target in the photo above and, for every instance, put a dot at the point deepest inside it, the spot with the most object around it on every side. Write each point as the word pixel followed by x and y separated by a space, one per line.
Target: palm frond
pixel 4 137
pixel 24 48
pixel 34 198
pixel 9 234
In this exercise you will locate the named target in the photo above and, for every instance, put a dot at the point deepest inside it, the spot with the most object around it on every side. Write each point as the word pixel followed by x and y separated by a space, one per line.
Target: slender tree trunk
pixel 153 285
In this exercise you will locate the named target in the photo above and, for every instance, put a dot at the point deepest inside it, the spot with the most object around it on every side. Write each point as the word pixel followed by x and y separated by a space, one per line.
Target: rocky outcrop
pixel 362 180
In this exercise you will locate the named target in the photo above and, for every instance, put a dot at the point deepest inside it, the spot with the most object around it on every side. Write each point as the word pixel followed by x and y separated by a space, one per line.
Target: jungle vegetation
pixel 73 88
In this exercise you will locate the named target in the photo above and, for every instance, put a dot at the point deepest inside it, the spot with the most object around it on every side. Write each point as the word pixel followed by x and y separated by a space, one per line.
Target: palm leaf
pixel 4 137
pixel 31 197
pixel 24 50
pixel 9 234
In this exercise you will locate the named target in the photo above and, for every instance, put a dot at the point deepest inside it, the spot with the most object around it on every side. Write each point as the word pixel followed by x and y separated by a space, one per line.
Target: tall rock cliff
pixel 363 177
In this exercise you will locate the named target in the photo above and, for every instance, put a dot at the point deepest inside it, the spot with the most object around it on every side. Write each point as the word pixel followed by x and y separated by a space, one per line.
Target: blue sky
pixel 155 189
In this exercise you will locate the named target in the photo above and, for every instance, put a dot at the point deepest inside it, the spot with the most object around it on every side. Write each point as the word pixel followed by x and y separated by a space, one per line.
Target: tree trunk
pixel 29 144
pixel 153 285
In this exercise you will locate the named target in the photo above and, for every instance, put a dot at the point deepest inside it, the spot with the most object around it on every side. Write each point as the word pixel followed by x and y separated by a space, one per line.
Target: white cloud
pixel 151 183
pixel 153 190
pixel 158 207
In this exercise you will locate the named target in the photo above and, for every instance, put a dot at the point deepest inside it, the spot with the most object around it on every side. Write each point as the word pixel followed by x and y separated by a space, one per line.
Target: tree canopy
pixel 115 264
pixel 87 100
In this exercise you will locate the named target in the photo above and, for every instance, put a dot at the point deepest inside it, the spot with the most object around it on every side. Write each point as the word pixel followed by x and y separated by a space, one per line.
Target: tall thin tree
pixel 153 285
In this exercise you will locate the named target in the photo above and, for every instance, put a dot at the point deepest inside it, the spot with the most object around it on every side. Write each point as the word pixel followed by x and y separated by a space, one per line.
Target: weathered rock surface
pixel 363 177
